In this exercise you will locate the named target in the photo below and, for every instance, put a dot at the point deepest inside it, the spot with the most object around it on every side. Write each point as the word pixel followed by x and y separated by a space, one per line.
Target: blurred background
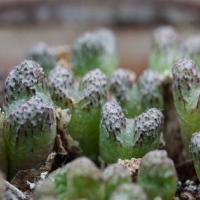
pixel 23 23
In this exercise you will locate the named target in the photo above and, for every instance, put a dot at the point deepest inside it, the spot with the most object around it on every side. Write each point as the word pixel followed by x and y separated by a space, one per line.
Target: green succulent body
pixel 115 175
pixel 128 138
pixel 44 55
pixel 186 97
pixel 45 191
pixel 84 182
pixel 84 99
pixel 129 192
pixel 164 49
pixel 157 175
pixel 137 97
pixel 30 124
pixel 191 48
pixel 94 50
pixel 194 149
pixel 79 179
pixel 84 128
pixel 59 181
pixel 62 87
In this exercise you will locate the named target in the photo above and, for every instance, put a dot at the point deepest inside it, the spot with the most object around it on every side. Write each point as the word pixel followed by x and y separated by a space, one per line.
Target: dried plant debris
pixel 188 190
pixel 64 140
pixel 63 54
pixel 132 165
pixel 27 180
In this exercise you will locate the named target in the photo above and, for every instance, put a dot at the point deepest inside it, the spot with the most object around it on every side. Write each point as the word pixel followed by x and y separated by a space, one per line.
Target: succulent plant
pixel 195 151
pixel 45 190
pixel 121 82
pixel 164 49
pixel 30 120
pixel 92 50
pixel 62 85
pixel 79 179
pixel 84 99
pixel 191 48
pixel 82 179
pixel 128 138
pixel 157 175
pixel 186 97
pixel 44 55
pixel 115 175
pixel 85 181
pixel 59 181
pixel 128 192
pixel 137 97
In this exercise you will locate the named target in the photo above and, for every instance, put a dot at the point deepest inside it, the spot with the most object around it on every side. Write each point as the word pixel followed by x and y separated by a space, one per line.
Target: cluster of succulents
pixel 104 111
pixel 183 67
pixel 81 179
